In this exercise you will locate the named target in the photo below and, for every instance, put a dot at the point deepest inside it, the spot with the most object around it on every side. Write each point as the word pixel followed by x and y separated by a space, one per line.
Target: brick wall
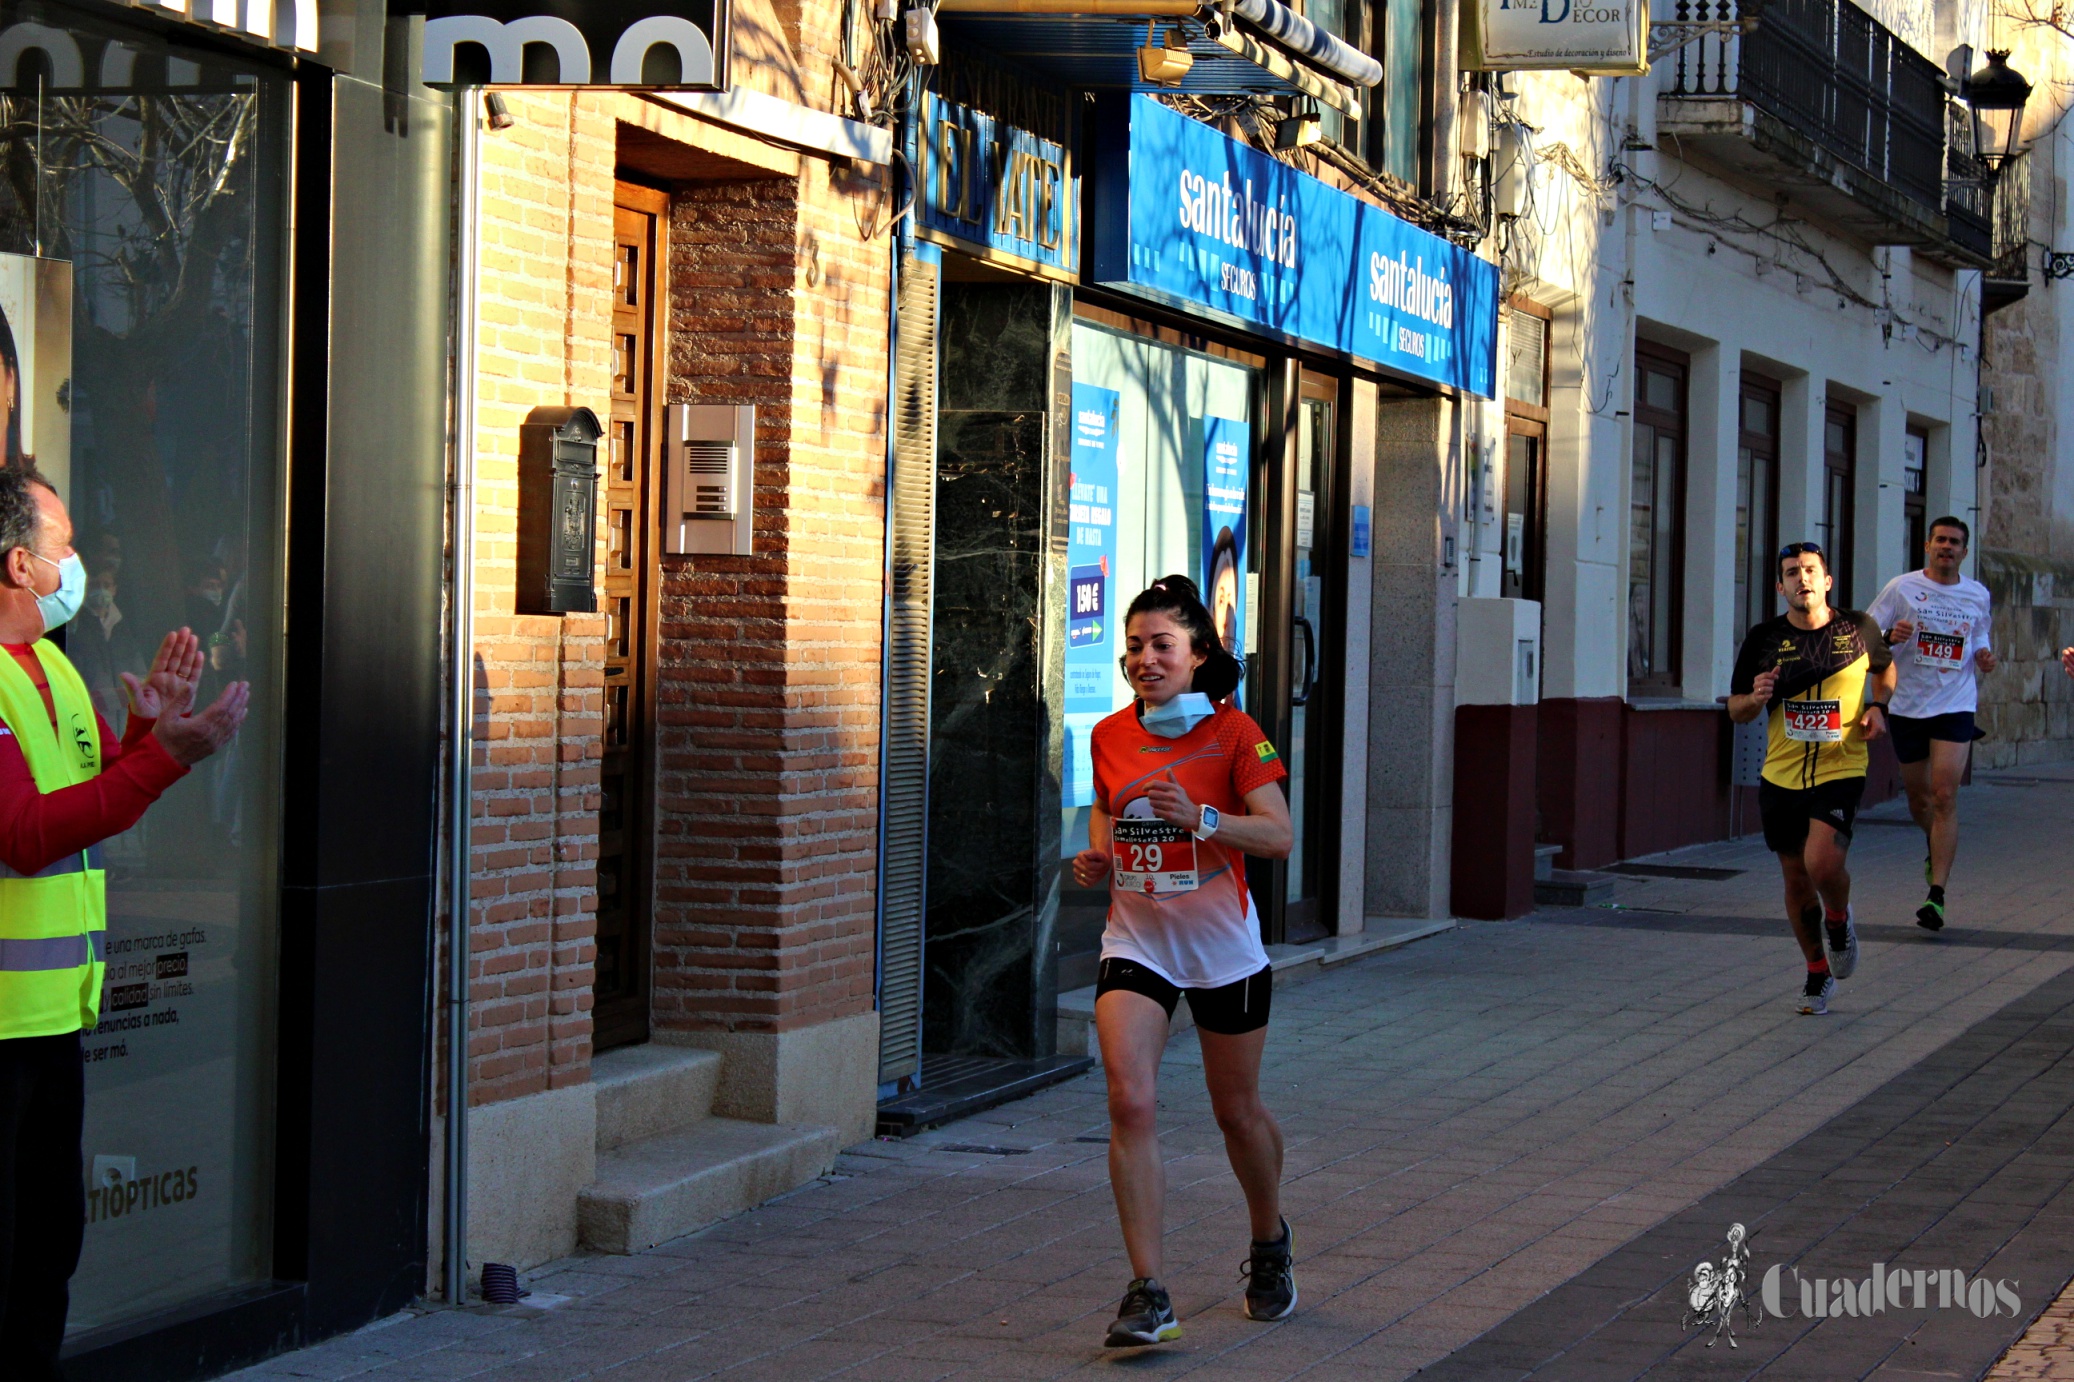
pixel 768 688
pixel 768 695
pixel 545 317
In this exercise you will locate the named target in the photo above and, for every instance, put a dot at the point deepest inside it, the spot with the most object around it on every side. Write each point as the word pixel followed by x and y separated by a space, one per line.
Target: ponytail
pixel 1179 599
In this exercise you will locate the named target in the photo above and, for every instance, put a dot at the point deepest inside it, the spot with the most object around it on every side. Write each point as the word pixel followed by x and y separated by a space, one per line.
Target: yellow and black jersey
pixel 1812 733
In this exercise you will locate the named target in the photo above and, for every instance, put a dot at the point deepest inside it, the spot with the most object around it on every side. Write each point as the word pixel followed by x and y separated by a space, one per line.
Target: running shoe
pixel 1814 998
pixel 1930 916
pixel 1145 1317
pixel 1271 1277
pixel 1843 959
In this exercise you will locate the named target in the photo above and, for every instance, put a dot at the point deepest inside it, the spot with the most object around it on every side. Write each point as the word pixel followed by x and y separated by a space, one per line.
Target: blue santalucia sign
pixel 1187 216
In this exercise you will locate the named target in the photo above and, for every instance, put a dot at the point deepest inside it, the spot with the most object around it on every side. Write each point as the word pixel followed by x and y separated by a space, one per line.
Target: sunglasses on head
pixel 1795 549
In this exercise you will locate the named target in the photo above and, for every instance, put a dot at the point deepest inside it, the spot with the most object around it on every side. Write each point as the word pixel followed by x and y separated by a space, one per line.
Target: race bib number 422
pixel 1814 722
pixel 1152 856
pixel 1945 651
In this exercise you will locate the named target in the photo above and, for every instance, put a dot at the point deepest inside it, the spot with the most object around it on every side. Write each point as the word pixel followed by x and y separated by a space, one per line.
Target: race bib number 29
pixel 1945 651
pixel 1152 856
pixel 1814 722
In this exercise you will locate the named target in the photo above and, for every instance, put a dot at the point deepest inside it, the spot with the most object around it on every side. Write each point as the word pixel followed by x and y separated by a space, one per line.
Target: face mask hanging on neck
pixel 1178 716
pixel 61 604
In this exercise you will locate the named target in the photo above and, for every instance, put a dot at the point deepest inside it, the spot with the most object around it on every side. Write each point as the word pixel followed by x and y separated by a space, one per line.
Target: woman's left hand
pixel 1171 804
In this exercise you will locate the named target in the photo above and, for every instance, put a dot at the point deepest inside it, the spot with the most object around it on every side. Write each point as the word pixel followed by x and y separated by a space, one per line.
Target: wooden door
pixel 626 810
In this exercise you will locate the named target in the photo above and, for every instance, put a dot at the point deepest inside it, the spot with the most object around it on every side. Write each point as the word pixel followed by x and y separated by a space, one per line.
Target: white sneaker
pixel 1844 963
pixel 1814 998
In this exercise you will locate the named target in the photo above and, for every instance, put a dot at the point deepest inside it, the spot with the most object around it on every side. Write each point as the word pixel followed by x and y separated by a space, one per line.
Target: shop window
pixel 1526 452
pixel 153 196
pixel 1656 523
pixel 1757 502
pixel 1839 499
pixel 1169 434
pixel 1915 473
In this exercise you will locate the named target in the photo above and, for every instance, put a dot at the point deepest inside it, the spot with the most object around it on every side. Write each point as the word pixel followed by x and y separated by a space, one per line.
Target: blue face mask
pixel 1178 716
pixel 61 604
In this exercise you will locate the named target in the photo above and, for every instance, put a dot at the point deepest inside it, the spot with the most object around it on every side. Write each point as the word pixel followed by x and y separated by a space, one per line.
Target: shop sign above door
pixel 609 43
pixel 1606 37
pixel 989 187
pixel 1184 215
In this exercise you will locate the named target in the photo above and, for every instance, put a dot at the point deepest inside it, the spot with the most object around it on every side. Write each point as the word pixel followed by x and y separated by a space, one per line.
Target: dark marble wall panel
pixel 987 973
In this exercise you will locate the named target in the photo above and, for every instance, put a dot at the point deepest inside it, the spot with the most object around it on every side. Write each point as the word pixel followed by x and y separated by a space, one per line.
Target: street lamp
pixel 1996 95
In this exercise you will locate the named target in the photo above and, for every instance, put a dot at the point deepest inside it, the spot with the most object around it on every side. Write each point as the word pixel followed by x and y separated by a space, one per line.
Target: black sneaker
pixel 1930 916
pixel 1146 1317
pixel 1271 1277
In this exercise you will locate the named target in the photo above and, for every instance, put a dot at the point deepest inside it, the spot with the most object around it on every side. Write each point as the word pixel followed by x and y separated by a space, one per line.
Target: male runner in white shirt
pixel 1943 617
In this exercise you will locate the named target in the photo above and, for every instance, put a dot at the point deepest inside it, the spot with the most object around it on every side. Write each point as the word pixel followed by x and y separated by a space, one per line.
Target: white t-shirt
pixel 1935 670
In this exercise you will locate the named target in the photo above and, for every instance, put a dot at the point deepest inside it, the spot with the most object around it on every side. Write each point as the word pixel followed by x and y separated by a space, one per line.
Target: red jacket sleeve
pixel 39 828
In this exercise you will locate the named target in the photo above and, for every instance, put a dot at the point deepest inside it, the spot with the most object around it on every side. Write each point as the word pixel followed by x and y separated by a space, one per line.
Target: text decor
pixel 633 45
pixel 1185 215
pixel 1607 37
pixel 988 184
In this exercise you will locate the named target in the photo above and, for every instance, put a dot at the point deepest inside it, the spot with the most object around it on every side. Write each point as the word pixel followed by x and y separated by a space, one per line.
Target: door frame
pixel 625 1020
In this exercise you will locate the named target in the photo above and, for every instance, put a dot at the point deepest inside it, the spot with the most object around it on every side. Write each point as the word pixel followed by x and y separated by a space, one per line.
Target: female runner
pixel 1184 787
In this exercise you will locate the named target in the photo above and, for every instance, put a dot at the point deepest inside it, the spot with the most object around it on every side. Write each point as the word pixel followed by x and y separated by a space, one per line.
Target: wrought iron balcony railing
pixel 1830 71
pixel 1989 210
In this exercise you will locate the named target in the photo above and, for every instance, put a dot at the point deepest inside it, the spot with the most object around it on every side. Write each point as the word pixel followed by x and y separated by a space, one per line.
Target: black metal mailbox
pixel 558 511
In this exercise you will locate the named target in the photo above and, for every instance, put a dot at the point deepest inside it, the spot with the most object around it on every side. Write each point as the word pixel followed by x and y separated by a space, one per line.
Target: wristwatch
pixel 1206 822
pixel 1880 706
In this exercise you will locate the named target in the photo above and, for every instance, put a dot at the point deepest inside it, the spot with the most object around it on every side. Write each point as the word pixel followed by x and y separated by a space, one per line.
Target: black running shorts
pixel 1912 733
pixel 1786 811
pixel 1229 1010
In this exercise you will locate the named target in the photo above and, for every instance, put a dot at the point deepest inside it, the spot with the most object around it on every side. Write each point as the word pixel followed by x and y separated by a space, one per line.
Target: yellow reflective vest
pixel 53 924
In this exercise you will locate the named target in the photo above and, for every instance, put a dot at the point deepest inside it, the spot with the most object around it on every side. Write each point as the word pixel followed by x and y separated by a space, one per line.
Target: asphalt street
pixel 1508 1147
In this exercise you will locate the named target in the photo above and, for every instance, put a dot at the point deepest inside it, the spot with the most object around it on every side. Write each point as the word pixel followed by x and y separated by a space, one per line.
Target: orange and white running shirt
pixel 1178 905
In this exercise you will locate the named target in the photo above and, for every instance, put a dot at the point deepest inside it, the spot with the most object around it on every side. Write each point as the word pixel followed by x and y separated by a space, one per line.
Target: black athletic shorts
pixel 1786 811
pixel 1912 734
pixel 1232 1009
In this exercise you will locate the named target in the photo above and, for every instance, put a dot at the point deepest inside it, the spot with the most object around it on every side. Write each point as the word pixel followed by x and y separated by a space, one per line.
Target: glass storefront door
pixel 1317 435
pixel 142 217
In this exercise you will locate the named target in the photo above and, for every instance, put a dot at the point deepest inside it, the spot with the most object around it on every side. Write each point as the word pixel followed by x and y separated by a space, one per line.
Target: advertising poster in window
pixel 36 363
pixel 1092 644
pixel 1227 445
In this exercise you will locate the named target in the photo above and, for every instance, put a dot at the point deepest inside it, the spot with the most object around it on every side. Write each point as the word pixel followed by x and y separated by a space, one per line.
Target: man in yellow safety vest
pixel 66 784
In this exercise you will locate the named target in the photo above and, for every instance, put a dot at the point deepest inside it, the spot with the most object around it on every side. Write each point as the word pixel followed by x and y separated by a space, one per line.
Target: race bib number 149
pixel 1152 856
pixel 1945 651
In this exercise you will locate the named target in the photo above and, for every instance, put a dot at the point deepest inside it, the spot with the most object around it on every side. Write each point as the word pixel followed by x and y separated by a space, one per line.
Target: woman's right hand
pixel 1090 867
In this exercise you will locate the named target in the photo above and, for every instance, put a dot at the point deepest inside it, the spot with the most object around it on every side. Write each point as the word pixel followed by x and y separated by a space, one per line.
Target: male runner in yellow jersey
pixel 1812 669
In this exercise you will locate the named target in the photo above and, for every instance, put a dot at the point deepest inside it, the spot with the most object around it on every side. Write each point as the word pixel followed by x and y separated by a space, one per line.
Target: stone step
pixel 644 1091
pixel 1544 860
pixel 663 1187
pixel 1573 888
